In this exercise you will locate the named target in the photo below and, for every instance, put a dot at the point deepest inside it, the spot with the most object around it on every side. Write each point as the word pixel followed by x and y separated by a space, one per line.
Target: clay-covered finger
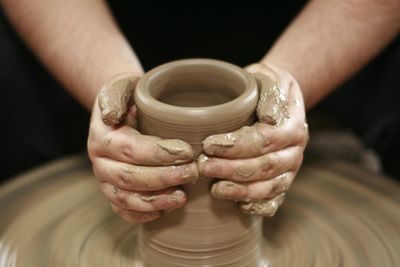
pixel 262 138
pixel 265 208
pixel 256 140
pixel 275 85
pixel 272 103
pixel 115 98
pixel 259 139
pixel 143 178
pixel 244 170
pixel 243 143
pixel 135 216
pixel 128 145
pixel 169 199
pixel 252 191
pixel 293 131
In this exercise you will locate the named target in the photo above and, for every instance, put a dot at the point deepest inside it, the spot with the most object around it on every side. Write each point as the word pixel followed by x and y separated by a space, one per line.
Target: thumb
pixel 273 90
pixel 116 97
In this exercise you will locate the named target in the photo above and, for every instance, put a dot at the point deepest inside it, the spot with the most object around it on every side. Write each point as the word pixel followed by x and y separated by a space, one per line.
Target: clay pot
pixel 190 100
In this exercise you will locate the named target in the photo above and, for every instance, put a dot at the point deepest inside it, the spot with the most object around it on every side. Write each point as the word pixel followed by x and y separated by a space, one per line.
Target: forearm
pixel 330 40
pixel 78 41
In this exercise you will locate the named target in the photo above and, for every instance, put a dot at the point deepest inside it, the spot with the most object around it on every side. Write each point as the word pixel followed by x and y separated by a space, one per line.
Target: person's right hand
pixel 140 175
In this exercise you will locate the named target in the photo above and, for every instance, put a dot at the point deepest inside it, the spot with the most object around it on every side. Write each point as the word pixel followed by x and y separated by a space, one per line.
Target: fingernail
pixel 228 190
pixel 115 190
pixel 272 106
pixel 179 161
pixel 111 117
pixel 176 147
pixel 147 198
pixel 218 143
pixel 214 190
pixel 201 164
pixel 176 197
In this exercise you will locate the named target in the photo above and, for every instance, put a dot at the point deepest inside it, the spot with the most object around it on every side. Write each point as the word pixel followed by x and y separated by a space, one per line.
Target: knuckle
pixel 244 172
pixel 96 166
pixel 303 133
pixel 92 132
pixel 92 149
pixel 298 161
pixel 97 172
pixel 229 190
pixel 124 178
pixel 270 163
pixel 120 197
pixel 127 150
pixel 101 172
pixel 293 125
pixel 305 137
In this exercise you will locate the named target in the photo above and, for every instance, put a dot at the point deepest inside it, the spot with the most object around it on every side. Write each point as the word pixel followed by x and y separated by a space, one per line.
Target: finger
pixel 252 191
pixel 272 103
pixel 260 168
pixel 135 216
pixel 262 138
pixel 168 199
pixel 274 85
pixel 143 178
pixel 243 143
pixel 293 131
pixel 265 208
pixel 126 144
pixel 115 98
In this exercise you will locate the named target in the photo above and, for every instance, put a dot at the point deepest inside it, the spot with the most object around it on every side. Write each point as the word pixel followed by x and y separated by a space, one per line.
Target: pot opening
pixel 194 85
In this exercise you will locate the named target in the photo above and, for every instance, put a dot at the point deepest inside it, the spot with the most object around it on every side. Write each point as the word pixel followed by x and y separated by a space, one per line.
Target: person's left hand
pixel 256 164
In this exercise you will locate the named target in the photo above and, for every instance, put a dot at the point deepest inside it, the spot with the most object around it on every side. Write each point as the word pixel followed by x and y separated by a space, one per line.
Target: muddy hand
pixel 257 164
pixel 140 175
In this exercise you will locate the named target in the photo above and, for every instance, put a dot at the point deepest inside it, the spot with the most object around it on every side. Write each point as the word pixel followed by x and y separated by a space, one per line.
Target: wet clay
pixel 191 100
pixel 55 216
pixel 335 215
pixel 115 96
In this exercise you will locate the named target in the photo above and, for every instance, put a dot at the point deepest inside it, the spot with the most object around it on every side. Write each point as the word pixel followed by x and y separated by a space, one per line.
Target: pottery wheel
pixel 334 215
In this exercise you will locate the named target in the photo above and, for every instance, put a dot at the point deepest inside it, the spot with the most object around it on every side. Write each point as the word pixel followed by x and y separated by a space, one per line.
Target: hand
pixel 140 175
pixel 257 164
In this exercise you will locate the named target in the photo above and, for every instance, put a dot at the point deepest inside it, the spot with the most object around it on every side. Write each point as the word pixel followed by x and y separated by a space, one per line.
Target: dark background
pixel 41 122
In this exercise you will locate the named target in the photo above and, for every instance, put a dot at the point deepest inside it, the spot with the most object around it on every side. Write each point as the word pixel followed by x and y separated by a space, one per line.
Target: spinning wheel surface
pixel 334 215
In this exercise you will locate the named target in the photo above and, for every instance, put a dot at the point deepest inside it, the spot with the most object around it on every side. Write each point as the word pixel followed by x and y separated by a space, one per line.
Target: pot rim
pixel 152 107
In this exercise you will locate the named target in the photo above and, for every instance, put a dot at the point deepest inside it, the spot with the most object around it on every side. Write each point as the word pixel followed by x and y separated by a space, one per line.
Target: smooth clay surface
pixel 335 215
pixel 190 100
